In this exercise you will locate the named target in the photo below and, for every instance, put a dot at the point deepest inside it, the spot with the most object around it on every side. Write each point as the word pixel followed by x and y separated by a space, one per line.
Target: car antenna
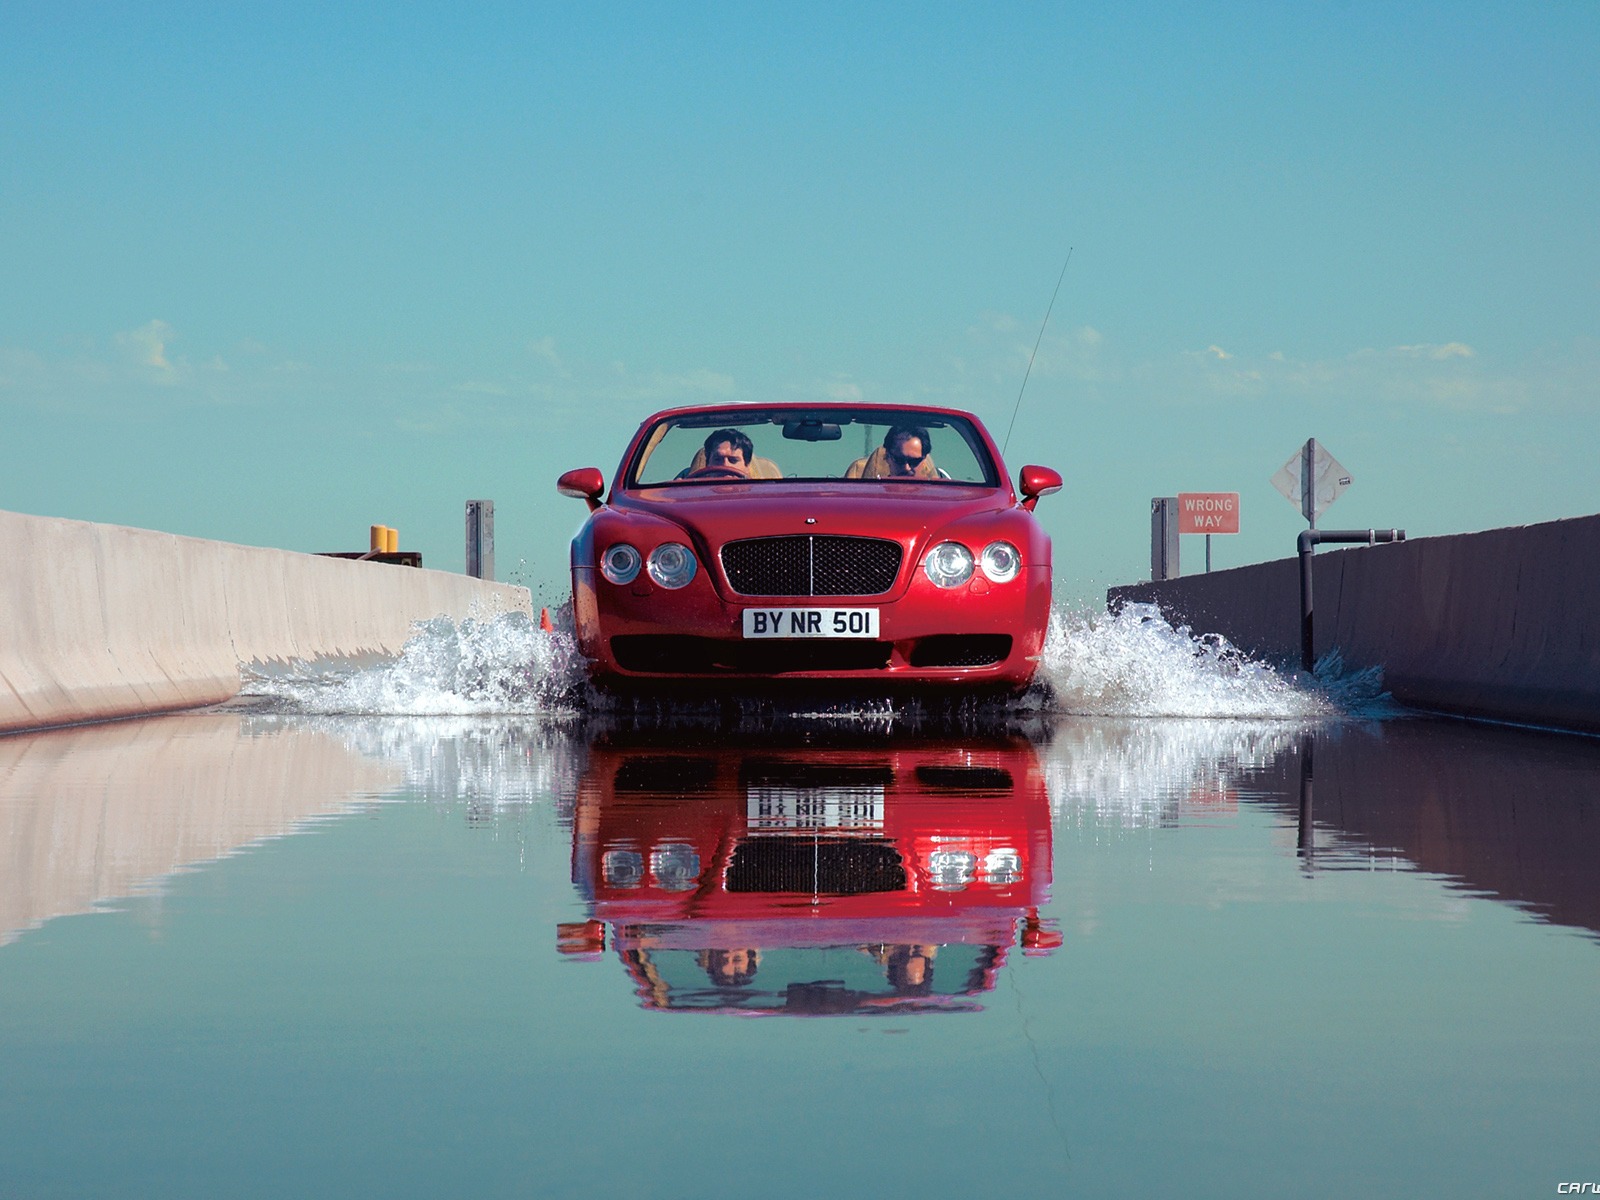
pixel 1031 357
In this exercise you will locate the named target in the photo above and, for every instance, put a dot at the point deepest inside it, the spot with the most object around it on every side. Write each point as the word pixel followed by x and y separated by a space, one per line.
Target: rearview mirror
pixel 583 483
pixel 1036 482
pixel 811 431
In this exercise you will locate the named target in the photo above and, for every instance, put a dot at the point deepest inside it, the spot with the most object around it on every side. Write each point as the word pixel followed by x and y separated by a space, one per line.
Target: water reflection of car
pixel 807 881
pixel 812 560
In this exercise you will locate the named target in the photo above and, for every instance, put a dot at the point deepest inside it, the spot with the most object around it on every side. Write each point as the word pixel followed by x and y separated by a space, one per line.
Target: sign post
pixel 1164 537
pixel 1311 480
pixel 1208 513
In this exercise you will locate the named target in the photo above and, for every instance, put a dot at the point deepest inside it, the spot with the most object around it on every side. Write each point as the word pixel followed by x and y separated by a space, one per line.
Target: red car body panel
pixel 695 633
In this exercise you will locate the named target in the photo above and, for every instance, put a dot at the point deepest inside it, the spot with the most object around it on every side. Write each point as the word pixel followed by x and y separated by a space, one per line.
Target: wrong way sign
pixel 1208 512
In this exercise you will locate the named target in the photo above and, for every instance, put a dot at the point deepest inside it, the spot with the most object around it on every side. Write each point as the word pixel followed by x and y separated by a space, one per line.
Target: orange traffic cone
pixel 545 623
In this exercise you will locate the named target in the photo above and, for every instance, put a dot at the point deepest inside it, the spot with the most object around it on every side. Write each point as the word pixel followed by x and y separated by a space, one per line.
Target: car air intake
pixel 961 650
pixel 812 565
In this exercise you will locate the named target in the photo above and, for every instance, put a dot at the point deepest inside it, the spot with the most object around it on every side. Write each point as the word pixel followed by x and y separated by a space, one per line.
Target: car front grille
pixel 812 565
pixel 830 866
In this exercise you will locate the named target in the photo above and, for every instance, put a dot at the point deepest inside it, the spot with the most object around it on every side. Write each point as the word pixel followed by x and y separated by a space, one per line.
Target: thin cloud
pixel 148 344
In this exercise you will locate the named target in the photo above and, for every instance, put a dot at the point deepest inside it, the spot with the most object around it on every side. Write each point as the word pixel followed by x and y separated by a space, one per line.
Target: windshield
pixel 774 445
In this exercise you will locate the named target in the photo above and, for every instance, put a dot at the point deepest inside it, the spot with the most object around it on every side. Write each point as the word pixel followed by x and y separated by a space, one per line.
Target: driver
pixel 725 448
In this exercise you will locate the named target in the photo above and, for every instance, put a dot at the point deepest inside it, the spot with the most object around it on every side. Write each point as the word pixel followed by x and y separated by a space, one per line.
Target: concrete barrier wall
pixel 102 621
pixel 1501 624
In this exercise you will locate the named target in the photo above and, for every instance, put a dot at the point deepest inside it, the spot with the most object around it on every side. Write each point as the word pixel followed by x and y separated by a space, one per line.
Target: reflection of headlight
pixel 672 565
pixel 622 868
pixel 1002 867
pixel 676 867
pixel 949 564
pixel 951 870
pixel 620 563
pixel 1001 561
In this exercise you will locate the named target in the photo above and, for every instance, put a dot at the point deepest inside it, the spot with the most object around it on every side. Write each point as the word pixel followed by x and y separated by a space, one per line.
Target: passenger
pixel 906 453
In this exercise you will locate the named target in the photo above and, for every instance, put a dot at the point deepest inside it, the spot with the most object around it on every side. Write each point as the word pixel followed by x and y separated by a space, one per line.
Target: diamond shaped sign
pixel 1327 479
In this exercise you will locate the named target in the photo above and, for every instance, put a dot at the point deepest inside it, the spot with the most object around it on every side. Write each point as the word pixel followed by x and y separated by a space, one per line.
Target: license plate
pixel 810 622
pixel 797 810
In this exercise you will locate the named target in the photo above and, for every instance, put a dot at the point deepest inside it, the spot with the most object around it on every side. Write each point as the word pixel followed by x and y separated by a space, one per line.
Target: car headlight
pixel 949 564
pixel 676 866
pixel 672 565
pixel 1002 867
pixel 952 870
pixel 1001 561
pixel 620 563
pixel 622 868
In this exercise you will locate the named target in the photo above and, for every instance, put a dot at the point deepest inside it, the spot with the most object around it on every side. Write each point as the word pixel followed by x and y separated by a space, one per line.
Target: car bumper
pixel 974 636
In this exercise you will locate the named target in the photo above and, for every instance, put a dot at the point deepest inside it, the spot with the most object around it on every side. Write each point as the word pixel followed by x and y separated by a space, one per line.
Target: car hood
pixel 902 511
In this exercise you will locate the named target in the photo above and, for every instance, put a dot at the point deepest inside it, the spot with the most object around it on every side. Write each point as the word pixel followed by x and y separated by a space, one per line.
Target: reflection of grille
pixel 821 866
pixel 811 565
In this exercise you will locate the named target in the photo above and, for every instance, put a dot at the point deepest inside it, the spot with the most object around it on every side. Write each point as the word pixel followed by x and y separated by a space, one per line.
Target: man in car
pixel 906 453
pixel 725 448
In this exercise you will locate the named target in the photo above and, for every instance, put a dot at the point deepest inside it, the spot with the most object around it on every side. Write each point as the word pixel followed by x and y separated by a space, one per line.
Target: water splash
pixel 503 664
pixel 1133 663
pixel 1129 664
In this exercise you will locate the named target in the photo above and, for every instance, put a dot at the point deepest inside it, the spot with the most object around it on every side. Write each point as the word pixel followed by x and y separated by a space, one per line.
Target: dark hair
pixel 898 435
pixel 737 439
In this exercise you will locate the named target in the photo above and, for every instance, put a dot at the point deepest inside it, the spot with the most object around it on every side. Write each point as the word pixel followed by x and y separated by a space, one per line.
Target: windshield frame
pixel 952 422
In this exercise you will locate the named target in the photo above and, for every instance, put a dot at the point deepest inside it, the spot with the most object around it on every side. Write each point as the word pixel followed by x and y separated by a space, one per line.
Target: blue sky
pixel 275 275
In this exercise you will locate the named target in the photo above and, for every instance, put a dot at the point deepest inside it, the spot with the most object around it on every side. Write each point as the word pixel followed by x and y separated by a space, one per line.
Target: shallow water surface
pixel 267 954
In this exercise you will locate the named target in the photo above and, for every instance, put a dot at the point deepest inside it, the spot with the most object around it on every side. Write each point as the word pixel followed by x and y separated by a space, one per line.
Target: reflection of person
pixel 910 969
pixel 906 453
pixel 729 968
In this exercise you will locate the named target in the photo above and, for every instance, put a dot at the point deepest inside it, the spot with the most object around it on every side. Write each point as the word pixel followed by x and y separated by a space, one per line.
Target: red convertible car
pixel 818 543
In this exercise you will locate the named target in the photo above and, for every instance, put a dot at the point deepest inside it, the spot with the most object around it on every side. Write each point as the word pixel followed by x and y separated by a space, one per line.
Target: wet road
pixel 265 955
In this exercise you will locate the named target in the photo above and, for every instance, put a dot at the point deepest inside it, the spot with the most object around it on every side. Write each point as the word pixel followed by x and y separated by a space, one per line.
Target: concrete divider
pixel 103 621
pixel 1499 624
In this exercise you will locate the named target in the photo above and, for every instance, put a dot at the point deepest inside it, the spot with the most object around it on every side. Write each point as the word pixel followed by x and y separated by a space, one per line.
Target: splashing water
pixel 1134 663
pixel 1129 664
pixel 504 664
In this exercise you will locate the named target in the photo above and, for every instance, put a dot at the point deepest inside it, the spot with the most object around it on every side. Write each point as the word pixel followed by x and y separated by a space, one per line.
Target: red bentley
pixel 879 545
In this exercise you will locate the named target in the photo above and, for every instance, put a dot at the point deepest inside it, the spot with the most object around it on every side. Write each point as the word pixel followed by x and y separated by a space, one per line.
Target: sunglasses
pixel 905 460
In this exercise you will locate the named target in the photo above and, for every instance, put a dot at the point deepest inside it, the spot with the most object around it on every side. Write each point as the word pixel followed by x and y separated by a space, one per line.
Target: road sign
pixel 1311 480
pixel 1208 512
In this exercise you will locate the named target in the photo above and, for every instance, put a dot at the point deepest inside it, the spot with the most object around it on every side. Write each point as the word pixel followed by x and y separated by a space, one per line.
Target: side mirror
pixel 583 483
pixel 1036 482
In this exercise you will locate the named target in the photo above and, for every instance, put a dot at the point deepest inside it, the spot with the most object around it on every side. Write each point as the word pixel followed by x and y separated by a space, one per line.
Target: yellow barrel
pixel 379 539
pixel 391 540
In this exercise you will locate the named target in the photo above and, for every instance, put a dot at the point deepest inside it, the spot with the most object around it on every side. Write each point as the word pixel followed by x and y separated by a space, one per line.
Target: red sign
pixel 1208 512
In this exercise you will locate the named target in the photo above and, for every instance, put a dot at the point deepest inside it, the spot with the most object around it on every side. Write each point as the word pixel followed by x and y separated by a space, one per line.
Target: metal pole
pixel 480 539
pixel 1164 537
pixel 1307 543
pixel 1306 839
pixel 1308 481
pixel 1208 554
